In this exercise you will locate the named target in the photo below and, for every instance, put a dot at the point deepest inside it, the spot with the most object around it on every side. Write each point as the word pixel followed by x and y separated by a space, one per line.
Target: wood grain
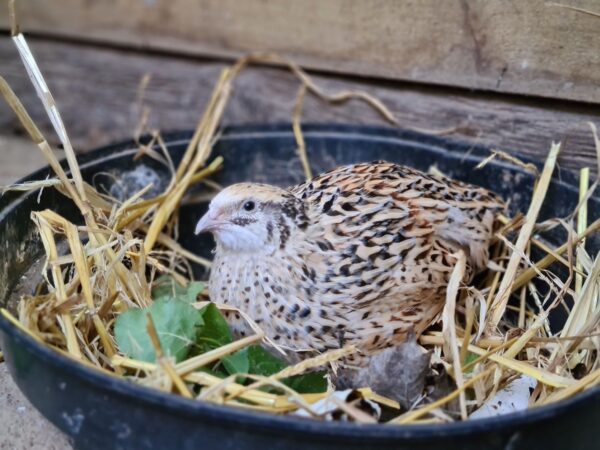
pixel 96 91
pixel 527 47
pixel 19 157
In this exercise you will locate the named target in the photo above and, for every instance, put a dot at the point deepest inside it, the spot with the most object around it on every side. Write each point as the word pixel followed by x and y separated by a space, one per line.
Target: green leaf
pixel 217 371
pixel 469 358
pixel 253 359
pixel 215 333
pixel 166 287
pixel 309 383
pixel 237 362
pixel 258 361
pixel 262 362
pixel 176 322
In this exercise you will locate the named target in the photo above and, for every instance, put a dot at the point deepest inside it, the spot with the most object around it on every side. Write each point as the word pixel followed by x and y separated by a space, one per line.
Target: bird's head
pixel 253 218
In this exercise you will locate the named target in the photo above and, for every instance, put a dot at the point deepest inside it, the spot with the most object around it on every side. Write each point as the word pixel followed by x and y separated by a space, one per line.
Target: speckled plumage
pixel 360 254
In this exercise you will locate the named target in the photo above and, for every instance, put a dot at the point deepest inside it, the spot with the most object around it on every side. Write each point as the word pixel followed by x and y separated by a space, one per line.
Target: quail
pixel 359 255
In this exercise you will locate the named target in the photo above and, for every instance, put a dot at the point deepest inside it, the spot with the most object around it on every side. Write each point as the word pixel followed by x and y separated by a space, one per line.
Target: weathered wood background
pixel 509 74
pixel 514 75
pixel 530 47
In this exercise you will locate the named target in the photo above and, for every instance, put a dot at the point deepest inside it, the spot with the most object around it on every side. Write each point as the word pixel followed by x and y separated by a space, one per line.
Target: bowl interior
pixel 266 154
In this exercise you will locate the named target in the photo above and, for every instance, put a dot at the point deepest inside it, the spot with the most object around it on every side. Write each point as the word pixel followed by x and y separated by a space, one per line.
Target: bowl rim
pixel 267 421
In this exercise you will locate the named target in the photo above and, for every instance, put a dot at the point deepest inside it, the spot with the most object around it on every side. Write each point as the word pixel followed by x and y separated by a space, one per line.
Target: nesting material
pixel 397 372
pixel 490 338
pixel 513 397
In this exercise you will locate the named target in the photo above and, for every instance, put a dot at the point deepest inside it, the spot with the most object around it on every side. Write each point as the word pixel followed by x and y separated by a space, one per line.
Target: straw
pixel 298 132
pixel 112 260
pixel 413 415
pixel 506 285
pixel 449 327
pixel 576 9
pixel 43 92
pixel 163 361
pixel 584 184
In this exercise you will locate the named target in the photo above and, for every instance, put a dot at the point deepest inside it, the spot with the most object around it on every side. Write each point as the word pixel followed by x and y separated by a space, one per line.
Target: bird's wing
pixel 386 213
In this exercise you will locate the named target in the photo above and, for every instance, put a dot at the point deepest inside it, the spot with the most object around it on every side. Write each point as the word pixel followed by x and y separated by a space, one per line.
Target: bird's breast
pixel 278 292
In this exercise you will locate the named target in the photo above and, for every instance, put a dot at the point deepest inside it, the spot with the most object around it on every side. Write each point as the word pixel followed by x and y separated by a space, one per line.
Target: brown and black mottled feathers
pixel 359 255
pixel 381 215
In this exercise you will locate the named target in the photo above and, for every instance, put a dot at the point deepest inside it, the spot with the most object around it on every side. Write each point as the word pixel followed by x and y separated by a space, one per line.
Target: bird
pixel 359 255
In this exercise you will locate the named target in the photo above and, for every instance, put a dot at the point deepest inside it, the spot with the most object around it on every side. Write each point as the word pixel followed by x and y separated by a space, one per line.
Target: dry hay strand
pixel 113 259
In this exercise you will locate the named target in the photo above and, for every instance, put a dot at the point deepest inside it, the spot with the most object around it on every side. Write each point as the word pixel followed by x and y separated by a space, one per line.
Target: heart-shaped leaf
pixel 166 287
pixel 176 322
pixel 215 332
pixel 256 360
pixel 237 362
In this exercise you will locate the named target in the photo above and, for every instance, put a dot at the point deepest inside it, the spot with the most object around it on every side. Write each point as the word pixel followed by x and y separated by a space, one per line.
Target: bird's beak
pixel 209 222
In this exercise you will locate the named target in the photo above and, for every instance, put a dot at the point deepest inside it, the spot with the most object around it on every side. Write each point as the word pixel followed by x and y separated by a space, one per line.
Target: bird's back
pixel 386 237
pixel 366 208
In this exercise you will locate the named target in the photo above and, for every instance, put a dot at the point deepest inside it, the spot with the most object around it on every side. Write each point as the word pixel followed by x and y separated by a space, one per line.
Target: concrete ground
pixel 21 426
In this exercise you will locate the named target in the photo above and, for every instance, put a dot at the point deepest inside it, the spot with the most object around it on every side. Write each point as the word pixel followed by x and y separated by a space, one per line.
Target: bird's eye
pixel 249 205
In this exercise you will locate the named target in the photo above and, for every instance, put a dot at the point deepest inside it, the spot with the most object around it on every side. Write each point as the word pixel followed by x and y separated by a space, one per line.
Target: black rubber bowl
pixel 99 411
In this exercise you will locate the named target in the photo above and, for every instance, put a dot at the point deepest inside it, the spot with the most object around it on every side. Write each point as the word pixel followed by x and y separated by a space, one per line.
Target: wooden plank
pixel 96 91
pixel 526 47
pixel 18 157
